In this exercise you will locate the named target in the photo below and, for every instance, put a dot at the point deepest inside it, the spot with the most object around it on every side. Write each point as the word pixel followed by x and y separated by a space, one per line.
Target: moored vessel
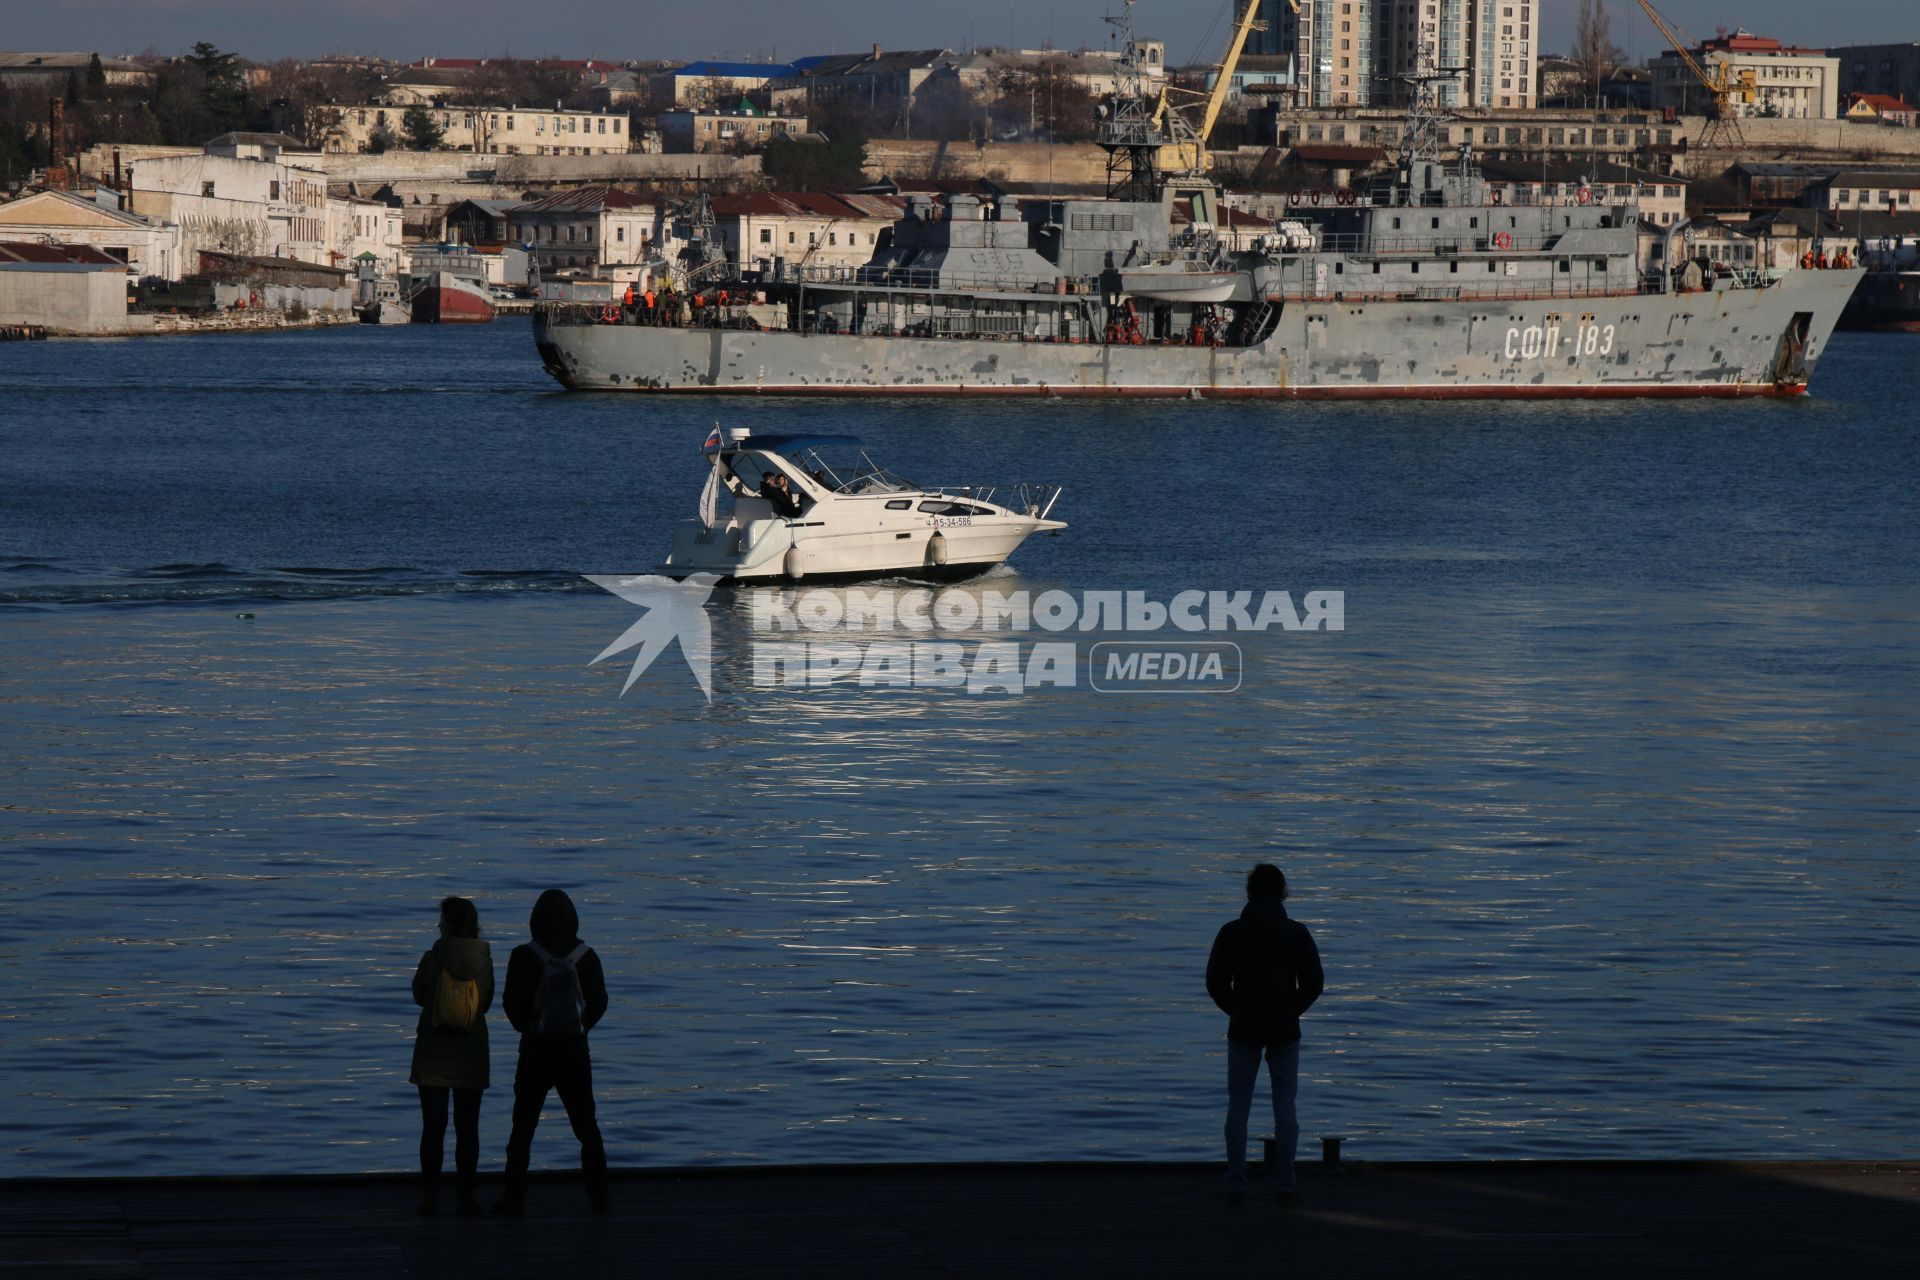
pixel 1888 299
pixel 448 285
pixel 1421 283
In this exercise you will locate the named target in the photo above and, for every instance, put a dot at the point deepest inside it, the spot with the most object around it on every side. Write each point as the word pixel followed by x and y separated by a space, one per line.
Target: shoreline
pixel 1504 1217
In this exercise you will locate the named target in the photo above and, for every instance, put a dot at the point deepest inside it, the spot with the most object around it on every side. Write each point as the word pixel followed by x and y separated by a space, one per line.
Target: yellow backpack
pixel 456 1003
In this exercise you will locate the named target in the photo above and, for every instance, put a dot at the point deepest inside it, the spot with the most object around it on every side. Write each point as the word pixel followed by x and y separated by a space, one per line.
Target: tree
pixel 814 163
pixel 1593 47
pixel 379 141
pixel 96 78
pixel 422 133
pixel 223 87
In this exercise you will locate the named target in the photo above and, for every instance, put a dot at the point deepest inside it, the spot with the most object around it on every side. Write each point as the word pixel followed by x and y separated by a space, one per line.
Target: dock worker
pixel 1821 261
pixel 627 300
pixel 1806 260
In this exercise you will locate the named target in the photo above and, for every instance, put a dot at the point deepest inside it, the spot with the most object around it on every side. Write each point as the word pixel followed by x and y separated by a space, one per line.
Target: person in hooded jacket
pixel 1264 973
pixel 553 1042
pixel 449 1060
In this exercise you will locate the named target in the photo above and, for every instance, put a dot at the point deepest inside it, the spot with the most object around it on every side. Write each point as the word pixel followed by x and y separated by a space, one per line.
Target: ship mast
pixel 1129 129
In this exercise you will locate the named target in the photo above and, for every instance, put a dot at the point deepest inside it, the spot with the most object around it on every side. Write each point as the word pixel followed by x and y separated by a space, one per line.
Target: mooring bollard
pixel 1330 1149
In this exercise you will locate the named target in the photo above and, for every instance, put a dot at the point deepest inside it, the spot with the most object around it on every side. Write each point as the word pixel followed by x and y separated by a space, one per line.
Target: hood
pixel 1264 913
pixel 464 957
pixel 554 920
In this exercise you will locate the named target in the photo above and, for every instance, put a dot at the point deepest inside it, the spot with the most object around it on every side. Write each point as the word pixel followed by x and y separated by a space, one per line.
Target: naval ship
pixel 1888 300
pixel 1422 283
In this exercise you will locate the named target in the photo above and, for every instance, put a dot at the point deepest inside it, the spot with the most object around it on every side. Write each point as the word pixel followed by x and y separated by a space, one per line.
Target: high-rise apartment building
pixel 1362 52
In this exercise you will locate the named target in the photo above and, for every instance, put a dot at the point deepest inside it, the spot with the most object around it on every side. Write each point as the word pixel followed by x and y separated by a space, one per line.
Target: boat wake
pixel 41 583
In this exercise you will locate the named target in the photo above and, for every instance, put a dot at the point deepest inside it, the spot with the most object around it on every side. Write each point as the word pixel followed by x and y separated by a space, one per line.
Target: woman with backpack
pixel 454 988
pixel 556 992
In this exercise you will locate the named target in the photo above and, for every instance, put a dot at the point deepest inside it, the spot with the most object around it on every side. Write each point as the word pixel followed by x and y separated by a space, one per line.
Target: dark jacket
pixel 555 926
pixel 1264 973
pixel 445 1058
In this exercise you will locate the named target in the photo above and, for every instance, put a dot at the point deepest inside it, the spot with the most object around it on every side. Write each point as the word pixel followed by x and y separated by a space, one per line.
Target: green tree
pixel 814 163
pixel 73 88
pixel 422 133
pixel 379 141
pixel 223 87
pixel 96 78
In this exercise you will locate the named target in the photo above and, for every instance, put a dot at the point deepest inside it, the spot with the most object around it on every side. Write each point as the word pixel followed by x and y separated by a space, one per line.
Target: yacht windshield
pixel 849 472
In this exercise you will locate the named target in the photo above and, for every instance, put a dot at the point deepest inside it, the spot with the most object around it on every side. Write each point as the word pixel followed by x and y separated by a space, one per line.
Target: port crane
pixel 1724 84
pixel 1188 153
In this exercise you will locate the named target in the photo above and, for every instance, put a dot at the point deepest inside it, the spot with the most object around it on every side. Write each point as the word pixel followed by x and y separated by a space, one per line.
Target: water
pixel 1602 807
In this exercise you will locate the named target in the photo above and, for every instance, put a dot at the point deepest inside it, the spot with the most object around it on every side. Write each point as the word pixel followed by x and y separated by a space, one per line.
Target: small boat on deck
pixel 809 508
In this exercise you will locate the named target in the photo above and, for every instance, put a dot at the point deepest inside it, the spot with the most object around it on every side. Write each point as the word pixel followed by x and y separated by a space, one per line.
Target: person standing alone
pixel 556 992
pixel 1264 973
pixel 454 988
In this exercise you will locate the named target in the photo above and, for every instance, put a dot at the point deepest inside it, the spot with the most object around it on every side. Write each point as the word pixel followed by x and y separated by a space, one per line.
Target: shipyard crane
pixel 1188 151
pixel 1723 119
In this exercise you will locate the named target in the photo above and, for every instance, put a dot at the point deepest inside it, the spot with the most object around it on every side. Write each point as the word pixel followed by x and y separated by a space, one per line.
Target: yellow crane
pixel 1189 152
pixel 1722 82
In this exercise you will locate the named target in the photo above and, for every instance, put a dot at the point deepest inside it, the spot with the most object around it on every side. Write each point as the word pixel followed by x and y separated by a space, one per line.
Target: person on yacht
pixel 775 489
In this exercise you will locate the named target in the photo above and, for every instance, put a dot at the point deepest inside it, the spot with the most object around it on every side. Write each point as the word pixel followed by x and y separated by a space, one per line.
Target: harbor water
pixel 1602 806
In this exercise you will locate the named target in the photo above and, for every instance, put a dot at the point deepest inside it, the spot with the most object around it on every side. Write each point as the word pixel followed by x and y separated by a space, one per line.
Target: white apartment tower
pixel 1361 52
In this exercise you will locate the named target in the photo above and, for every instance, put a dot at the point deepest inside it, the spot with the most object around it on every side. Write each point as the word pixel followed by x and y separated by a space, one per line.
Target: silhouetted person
pixel 556 992
pixel 775 489
pixel 1264 973
pixel 454 988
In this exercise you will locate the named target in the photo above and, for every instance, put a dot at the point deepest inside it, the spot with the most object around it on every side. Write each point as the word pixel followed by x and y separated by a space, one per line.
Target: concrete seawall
pixel 1507 1218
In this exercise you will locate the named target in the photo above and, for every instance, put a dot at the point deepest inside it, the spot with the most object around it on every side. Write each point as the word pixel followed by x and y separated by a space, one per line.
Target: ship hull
pixel 1885 302
pixel 451 299
pixel 1724 343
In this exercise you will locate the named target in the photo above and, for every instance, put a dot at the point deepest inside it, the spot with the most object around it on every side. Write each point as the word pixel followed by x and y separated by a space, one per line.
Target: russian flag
pixel 713 440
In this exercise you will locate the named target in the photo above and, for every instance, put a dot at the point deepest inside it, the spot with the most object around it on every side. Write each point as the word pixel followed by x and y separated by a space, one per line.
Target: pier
pixel 1501 1218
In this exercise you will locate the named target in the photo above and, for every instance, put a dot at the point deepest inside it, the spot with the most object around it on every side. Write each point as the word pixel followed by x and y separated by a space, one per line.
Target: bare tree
pixel 1593 47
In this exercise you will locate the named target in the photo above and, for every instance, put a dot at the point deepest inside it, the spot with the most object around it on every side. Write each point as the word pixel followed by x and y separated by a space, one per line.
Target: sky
pixel 760 29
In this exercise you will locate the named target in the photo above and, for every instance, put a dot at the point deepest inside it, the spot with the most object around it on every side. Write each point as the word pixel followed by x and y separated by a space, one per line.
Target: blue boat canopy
pixel 793 444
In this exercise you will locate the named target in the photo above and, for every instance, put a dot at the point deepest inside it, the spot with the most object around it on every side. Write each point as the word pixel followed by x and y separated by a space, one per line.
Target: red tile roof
pixel 585 200
pixel 76 254
pixel 802 204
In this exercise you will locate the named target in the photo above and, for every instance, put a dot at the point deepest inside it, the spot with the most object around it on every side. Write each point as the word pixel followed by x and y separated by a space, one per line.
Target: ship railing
pixel 924 280
pixel 1506 290
pixel 1362 245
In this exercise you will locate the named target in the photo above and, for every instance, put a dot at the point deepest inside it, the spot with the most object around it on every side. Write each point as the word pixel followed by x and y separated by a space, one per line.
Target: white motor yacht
pixel 809 507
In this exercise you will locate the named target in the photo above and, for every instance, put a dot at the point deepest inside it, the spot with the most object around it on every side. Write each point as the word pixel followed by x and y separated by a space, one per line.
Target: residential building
pixel 146 246
pixel 1878 108
pixel 875 77
pixel 804 228
pixel 357 227
pixel 1867 190
pixel 481 223
pixel 702 84
pixel 1789 82
pixel 740 129
pixel 1094 71
pixel 504 131
pixel 602 231
pixel 45 74
pixel 1890 69
pixel 241 196
pixel 429 86
pixel 1358 52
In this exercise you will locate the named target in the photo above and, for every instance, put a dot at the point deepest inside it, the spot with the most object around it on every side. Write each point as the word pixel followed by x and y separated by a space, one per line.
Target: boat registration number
pixel 951 522
pixel 1544 341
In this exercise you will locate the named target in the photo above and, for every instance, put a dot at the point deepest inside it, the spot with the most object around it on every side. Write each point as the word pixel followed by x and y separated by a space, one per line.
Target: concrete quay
pixel 1497 1218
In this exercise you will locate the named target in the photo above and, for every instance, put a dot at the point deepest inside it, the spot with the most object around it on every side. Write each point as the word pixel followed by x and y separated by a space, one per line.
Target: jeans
pixel 1283 1071
pixel 561 1066
pixel 433 1137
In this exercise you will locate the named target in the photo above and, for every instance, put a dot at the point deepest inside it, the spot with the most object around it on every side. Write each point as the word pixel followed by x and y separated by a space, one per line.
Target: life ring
pixel 1586 195
pixel 1314 196
pixel 1345 195
pixel 1495 194
pixel 609 315
pixel 1502 240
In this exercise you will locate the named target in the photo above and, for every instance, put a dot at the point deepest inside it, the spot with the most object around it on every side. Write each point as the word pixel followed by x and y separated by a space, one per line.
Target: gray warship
pixel 1421 284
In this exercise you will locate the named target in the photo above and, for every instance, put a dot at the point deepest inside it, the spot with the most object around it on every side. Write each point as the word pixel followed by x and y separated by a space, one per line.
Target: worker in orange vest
pixel 1806 260
pixel 627 300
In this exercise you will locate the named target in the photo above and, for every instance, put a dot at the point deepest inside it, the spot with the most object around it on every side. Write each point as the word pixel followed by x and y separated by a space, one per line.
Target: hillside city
pixel 204 189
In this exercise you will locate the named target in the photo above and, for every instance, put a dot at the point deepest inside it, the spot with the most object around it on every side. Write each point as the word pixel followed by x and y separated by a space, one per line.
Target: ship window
pixel 1376 268
pixel 1396 224
pixel 899 504
pixel 1473 222
pixel 1565 267
pixel 1453 268
pixel 1436 224
pixel 1339 268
